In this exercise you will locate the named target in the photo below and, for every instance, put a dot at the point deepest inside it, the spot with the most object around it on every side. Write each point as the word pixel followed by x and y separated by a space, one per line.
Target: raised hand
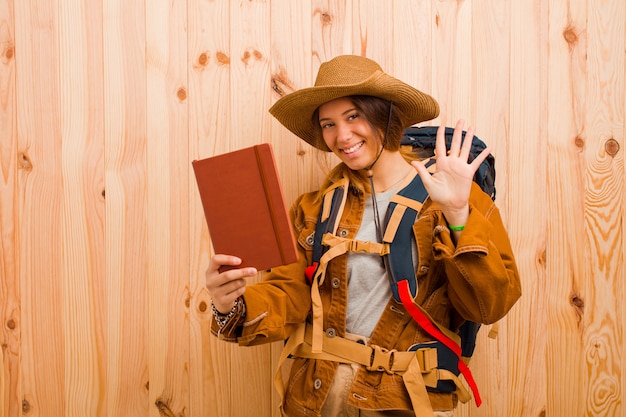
pixel 450 185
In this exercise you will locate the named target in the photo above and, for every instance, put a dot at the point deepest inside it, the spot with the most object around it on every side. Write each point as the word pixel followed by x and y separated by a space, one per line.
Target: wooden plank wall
pixel 103 247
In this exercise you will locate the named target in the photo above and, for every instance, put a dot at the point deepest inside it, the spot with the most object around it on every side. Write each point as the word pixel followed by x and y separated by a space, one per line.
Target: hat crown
pixel 346 70
pixel 344 76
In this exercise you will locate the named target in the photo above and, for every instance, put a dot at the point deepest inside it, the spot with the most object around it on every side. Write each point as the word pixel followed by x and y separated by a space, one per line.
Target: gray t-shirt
pixel 368 287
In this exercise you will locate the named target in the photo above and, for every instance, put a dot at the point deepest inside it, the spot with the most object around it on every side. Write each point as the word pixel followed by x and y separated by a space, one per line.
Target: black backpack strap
pixel 328 218
pixel 399 219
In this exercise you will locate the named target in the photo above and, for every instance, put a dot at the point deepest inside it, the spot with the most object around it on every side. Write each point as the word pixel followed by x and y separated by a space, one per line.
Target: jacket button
pixel 343 233
pixel 330 332
pixel 335 282
pixel 317 384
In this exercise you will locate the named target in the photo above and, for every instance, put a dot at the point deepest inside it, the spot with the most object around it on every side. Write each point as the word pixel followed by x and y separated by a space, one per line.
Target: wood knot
pixel 246 57
pixel 9 52
pixel 612 147
pixel 276 86
pixel 541 258
pixel 326 18
pixel 164 410
pixel 222 58
pixel 202 306
pixel 577 302
pixel 579 142
pixel 25 407
pixel 25 162
pixel 281 83
pixel 181 94
pixel 578 305
pixel 11 324
pixel 570 36
pixel 203 59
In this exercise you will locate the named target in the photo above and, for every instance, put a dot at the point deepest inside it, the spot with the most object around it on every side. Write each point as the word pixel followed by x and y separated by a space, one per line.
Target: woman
pixel 465 269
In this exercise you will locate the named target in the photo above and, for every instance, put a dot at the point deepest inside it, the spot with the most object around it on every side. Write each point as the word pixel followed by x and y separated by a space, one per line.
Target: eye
pixel 326 125
pixel 353 116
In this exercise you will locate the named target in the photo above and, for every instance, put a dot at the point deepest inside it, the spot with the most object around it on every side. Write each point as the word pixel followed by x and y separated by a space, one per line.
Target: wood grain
pixel 82 208
pixel 167 159
pixel 40 199
pixel 10 304
pixel 103 243
pixel 126 217
pixel 566 315
pixel 524 169
pixel 602 339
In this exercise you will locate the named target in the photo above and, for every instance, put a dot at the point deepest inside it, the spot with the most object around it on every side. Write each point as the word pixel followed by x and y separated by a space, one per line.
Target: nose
pixel 344 133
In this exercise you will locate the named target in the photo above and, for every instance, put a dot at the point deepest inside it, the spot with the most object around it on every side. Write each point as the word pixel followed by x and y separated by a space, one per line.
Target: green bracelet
pixel 456 228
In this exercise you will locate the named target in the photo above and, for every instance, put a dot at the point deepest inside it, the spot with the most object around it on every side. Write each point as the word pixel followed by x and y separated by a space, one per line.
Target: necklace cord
pixel 370 174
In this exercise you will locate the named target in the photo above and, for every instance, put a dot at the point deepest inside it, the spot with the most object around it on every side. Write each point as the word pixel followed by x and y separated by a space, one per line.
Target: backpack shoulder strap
pixel 333 203
pixel 399 218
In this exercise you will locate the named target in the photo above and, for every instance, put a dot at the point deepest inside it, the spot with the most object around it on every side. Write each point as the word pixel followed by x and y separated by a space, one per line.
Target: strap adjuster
pixel 381 360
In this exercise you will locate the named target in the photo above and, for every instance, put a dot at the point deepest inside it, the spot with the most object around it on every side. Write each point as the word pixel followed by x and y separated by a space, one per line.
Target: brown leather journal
pixel 245 208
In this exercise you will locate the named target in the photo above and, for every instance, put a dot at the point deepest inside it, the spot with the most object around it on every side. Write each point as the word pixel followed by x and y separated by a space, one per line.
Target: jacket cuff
pixel 476 234
pixel 228 327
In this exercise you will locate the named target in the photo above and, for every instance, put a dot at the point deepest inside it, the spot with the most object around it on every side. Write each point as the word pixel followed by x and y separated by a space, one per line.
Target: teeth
pixel 353 148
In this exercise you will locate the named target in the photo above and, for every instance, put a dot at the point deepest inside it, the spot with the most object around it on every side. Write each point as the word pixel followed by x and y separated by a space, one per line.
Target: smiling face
pixel 348 134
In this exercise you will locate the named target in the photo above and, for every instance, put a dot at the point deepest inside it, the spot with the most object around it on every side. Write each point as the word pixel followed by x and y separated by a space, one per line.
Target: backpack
pixel 453 350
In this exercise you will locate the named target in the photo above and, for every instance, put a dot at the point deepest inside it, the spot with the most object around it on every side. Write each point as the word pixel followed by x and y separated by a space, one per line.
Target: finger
pixel 440 144
pixel 455 146
pixel 467 143
pixel 480 158
pixel 224 301
pixel 236 274
pixel 422 171
pixel 215 279
pixel 219 260
pixel 232 289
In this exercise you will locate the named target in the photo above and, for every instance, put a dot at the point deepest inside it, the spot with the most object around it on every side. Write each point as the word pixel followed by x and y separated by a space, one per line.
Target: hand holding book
pixel 226 287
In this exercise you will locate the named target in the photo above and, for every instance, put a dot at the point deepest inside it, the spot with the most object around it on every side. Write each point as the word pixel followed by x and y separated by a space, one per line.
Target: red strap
pixel 428 326
pixel 310 271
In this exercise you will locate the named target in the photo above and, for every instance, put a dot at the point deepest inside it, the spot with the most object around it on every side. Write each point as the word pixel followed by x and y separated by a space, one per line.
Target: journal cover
pixel 245 208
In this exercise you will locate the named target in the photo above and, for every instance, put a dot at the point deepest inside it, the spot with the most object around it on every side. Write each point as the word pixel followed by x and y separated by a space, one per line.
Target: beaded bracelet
pixel 223 319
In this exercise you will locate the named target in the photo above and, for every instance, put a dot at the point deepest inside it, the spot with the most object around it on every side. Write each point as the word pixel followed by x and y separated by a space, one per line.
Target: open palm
pixel 451 182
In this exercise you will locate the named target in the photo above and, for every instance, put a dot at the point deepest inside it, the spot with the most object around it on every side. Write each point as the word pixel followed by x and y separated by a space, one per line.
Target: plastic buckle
pixel 382 359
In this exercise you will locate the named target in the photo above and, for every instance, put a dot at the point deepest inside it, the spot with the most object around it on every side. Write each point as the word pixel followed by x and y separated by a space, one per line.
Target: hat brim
pixel 295 110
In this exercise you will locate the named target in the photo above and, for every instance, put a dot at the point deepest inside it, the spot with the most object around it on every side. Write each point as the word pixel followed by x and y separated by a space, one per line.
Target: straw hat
pixel 349 75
